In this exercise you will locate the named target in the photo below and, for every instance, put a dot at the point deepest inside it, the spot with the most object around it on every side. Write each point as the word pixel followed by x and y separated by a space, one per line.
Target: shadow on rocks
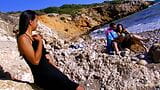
pixel 7 76
pixel 4 75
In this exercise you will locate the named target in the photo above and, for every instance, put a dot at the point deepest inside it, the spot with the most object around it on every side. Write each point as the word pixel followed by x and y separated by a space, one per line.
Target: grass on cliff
pixel 72 8
pixel 67 8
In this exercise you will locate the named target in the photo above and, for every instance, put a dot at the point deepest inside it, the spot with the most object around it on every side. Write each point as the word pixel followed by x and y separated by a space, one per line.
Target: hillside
pixel 84 60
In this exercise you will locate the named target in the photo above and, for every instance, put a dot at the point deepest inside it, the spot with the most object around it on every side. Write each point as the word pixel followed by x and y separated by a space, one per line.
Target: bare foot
pixel 118 53
pixel 80 88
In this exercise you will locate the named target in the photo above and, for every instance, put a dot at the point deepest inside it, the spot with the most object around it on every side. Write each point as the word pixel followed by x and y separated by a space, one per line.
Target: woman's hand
pixel 37 37
pixel 51 60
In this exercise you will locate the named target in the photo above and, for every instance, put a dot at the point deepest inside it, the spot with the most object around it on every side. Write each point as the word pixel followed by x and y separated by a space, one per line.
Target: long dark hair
pixel 25 17
pixel 117 30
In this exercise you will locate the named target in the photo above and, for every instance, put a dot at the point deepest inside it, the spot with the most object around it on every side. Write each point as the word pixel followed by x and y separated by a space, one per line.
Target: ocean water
pixel 145 20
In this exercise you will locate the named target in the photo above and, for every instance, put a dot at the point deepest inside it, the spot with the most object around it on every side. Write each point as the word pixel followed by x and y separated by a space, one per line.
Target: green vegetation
pixel 118 1
pixel 74 8
pixel 67 8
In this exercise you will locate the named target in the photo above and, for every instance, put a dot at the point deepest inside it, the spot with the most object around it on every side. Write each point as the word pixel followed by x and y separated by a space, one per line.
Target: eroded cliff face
pixel 88 19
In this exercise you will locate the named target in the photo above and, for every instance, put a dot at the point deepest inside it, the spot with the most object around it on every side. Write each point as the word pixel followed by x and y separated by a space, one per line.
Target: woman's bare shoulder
pixel 22 39
pixel 23 43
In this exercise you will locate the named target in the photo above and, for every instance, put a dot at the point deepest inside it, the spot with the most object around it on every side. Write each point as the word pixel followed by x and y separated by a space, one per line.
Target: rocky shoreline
pixel 154 37
pixel 83 60
pixel 87 61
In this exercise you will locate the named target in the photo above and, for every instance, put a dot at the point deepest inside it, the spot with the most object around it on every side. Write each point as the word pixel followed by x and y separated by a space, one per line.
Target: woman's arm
pixel 126 31
pixel 27 50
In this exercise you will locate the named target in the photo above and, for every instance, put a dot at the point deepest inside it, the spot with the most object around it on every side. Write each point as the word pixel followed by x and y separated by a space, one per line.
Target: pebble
pixel 142 62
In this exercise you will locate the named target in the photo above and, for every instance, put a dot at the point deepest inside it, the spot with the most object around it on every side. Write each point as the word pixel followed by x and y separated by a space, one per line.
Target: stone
pixel 133 58
pixel 125 53
pixel 13 85
pixel 12 63
pixel 142 62
pixel 154 52
pixel 141 56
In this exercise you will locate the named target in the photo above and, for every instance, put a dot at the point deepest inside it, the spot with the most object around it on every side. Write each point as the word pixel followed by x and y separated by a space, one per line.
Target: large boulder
pixel 12 63
pixel 8 24
pixel 12 66
pixel 13 85
pixel 154 52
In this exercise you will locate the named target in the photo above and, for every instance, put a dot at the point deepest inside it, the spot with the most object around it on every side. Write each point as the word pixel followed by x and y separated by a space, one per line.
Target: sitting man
pixel 111 35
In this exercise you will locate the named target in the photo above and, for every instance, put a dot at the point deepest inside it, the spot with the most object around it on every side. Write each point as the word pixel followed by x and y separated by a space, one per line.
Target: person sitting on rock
pixel 111 35
pixel 124 37
pixel 46 75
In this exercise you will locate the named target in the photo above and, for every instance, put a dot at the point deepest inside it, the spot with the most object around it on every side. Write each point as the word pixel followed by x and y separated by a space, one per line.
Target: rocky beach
pixel 83 58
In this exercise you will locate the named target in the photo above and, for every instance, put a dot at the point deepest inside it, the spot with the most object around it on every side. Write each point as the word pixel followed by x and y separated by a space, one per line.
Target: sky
pixel 21 5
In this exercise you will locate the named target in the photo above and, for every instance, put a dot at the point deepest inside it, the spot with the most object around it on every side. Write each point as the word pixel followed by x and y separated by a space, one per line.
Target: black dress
pixel 49 77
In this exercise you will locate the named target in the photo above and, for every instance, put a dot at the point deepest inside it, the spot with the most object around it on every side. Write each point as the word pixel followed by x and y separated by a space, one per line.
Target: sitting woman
pixel 46 75
pixel 124 37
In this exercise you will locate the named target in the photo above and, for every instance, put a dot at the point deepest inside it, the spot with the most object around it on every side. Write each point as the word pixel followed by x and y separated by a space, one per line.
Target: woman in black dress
pixel 46 75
